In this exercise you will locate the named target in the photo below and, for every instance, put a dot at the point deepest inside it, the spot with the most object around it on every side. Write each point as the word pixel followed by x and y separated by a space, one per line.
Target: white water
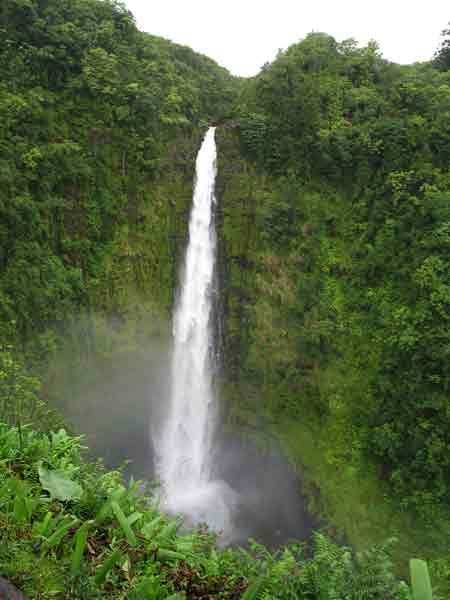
pixel 185 444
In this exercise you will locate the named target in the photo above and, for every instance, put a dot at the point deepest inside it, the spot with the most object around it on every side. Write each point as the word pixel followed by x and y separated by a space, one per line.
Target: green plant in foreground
pixel 420 580
pixel 108 539
pixel 80 546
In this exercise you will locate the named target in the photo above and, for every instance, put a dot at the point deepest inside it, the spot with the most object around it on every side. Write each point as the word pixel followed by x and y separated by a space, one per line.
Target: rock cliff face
pixel 259 264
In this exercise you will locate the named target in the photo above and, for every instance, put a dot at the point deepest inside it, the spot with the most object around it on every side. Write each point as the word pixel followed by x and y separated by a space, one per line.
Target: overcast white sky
pixel 242 35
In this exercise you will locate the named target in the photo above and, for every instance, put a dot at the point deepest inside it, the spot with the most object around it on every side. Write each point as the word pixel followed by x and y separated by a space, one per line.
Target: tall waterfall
pixel 185 444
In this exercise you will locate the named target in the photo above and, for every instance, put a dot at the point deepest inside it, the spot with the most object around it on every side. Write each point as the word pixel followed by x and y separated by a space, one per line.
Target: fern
pixel 168 533
pixel 256 590
pixel 149 530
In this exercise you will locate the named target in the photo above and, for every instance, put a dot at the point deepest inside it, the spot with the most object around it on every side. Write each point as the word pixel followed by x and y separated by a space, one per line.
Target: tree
pixel 442 57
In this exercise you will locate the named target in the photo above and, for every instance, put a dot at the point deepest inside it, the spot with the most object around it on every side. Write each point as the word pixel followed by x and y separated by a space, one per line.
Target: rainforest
pixel 331 307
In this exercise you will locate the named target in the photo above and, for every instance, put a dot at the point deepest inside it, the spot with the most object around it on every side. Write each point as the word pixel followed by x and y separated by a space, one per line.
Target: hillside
pixel 99 127
pixel 334 186
pixel 334 256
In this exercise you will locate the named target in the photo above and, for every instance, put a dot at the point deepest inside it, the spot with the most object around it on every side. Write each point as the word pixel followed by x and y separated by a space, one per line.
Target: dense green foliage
pixel 334 223
pixel 69 529
pixel 347 253
pixel 334 189
pixel 92 112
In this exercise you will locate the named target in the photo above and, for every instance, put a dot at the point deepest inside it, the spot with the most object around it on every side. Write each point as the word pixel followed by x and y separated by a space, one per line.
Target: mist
pixel 117 399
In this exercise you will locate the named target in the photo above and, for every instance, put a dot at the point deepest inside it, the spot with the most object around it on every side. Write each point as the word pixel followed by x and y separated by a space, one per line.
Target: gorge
pixel 330 279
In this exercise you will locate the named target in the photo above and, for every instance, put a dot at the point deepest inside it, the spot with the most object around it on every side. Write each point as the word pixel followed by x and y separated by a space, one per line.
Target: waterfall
pixel 184 448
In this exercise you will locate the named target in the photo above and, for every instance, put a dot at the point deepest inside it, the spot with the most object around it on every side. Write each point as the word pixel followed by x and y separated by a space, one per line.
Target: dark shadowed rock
pixel 9 592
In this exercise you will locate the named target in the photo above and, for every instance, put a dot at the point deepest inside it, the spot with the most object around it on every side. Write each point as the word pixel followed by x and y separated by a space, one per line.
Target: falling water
pixel 185 445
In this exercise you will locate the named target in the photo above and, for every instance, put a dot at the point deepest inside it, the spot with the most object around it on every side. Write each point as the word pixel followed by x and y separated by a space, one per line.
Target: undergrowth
pixel 71 529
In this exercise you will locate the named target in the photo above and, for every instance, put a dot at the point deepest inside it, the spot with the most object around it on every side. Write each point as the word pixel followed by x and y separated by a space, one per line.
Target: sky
pixel 242 35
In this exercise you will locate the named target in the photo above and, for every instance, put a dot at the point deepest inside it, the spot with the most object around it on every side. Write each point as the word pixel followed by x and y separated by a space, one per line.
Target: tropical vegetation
pixel 333 223
pixel 71 529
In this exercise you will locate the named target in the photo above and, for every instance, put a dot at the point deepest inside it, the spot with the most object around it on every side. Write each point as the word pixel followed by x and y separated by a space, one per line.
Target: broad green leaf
pixel 80 544
pixel 420 580
pixel 58 485
pixel 129 533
